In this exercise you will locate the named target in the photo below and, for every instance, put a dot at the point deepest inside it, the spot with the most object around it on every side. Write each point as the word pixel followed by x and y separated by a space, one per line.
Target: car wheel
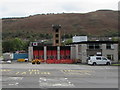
pixel 25 60
pixel 38 62
pixel 107 63
pixel 33 63
pixel 94 64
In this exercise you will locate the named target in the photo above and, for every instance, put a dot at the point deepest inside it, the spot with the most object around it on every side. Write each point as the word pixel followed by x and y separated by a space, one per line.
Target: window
pixel 91 46
pixel 109 46
pixel 97 46
pixel 56 35
pixel 56 30
pixel 110 57
pixel 94 46
pixel 57 41
pixel 98 58
pixel 104 58
pixel 88 58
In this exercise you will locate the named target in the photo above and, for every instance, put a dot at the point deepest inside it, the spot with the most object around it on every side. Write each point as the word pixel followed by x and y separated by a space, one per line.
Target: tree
pixel 68 41
pixel 7 46
pixel 14 45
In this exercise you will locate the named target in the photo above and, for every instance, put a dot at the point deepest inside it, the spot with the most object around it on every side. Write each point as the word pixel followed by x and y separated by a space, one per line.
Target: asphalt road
pixel 26 75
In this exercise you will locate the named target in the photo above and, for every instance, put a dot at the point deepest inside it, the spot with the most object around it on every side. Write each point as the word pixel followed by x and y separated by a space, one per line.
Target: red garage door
pixel 38 52
pixel 65 54
pixel 35 54
pixel 51 54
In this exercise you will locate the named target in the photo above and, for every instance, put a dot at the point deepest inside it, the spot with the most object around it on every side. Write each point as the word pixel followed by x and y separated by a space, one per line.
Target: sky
pixel 23 8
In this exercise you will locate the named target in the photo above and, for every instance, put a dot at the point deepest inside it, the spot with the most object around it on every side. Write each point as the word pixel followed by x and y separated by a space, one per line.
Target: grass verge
pixel 115 64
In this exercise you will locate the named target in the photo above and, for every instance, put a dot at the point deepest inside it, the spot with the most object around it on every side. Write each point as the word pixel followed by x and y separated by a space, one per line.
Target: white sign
pixel 99 53
pixel 79 38
pixel 35 44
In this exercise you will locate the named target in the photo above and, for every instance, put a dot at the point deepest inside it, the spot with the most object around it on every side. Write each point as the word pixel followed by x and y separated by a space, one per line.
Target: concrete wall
pixel 83 52
pixel 78 52
pixel 45 53
pixel 114 51
pixel 73 52
pixel 30 53
pixel 58 53
pixel 93 52
pixel 56 38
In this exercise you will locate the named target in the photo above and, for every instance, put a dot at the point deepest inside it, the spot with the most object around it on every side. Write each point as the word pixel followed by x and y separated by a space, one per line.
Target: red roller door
pixel 54 54
pixel 65 54
pixel 62 54
pixel 48 54
pixel 36 54
pixel 41 54
pixel 51 54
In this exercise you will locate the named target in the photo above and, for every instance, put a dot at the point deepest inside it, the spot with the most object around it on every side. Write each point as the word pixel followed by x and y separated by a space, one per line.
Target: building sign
pixel 79 38
pixel 35 44
pixel 99 53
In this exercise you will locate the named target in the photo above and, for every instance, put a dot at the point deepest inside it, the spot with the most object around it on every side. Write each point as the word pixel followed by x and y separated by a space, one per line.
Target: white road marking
pixel 15 78
pixel 11 81
pixel 13 84
pixel 55 82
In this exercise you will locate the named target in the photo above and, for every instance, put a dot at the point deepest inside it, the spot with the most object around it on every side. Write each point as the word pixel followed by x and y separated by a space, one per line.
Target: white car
pixel 94 60
pixel 9 61
pixel 1 61
pixel 5 61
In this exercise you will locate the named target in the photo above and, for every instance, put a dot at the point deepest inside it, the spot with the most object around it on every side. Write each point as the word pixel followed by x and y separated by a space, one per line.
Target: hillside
pixel 101 22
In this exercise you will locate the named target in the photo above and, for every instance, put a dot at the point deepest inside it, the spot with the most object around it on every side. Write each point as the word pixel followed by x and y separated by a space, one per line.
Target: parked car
pixel 22 60
pixel 94 60
pixel 36 61
pixel 5 61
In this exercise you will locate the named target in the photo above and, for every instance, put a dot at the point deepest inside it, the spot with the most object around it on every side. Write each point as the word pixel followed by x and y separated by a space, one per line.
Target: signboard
pixel 79 38
pixel 35 44
pixel 99 53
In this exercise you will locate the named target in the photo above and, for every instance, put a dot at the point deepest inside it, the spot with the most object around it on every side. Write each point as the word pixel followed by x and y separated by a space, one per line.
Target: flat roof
pixel 102 42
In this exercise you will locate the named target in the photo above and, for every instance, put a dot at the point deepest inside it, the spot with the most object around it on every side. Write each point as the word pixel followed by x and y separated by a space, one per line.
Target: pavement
pixel 26 75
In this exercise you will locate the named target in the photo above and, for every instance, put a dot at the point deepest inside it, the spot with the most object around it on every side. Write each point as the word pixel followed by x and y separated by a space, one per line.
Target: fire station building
pixel 78 51
pixel 75 52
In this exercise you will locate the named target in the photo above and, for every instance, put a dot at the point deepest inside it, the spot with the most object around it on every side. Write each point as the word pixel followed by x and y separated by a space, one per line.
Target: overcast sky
pixel 21 8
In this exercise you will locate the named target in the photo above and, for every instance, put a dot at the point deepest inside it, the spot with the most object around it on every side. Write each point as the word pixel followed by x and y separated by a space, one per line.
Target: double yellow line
pixel 32 72
pixel 76 72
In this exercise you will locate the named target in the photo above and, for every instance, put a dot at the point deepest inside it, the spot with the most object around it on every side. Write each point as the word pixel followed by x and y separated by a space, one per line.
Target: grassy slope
pixel 93 23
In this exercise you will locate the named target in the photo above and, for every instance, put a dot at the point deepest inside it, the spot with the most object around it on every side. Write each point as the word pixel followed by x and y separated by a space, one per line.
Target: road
pixel 26 75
